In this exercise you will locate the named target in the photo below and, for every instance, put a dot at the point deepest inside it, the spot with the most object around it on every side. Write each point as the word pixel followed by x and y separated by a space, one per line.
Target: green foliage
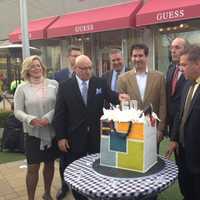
pixel 7 156
pixel 3 117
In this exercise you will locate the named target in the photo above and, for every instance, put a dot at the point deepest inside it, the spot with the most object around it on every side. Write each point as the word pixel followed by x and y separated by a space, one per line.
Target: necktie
pixel 84 90
pixel 115 86
pixel 185 112
pixel 174 80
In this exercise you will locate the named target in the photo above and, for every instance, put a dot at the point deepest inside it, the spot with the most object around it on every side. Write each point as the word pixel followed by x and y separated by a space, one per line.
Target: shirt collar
pixel 146 71
pixel 80 81
pixel 198 80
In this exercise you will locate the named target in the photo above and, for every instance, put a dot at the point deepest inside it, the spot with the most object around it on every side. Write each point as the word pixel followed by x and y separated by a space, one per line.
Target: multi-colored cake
pixel 128 140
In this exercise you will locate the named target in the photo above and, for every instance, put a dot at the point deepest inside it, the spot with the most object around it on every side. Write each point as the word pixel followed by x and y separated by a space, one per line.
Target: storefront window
pixel 189 30
pixel 105 42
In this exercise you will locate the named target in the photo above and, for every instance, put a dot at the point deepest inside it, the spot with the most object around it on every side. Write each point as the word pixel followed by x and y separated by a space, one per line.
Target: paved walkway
pixel 12 182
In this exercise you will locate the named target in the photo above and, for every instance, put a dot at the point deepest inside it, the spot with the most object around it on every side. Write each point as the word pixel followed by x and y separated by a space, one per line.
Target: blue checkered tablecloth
pixel 83 178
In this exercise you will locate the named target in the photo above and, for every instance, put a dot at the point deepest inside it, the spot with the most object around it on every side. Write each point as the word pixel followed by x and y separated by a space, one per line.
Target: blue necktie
pixel 84 90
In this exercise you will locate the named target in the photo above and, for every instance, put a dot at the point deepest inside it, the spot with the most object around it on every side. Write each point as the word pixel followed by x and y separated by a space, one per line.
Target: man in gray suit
pixel 118 67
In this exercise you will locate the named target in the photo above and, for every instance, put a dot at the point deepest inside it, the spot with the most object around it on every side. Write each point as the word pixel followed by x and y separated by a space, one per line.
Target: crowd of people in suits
pixel 61 117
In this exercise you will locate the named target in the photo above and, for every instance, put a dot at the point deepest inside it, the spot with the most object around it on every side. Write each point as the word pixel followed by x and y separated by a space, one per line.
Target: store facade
pixel 167 20
pixel 96 31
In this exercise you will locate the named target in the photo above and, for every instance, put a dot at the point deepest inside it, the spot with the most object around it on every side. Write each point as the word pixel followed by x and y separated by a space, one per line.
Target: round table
pixel 82 176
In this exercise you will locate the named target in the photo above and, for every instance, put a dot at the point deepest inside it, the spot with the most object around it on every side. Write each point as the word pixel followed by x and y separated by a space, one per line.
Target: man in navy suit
pixel 185 133
pixel 175 82
pixel 60 76
pixel 66 72
pixel 118 68
pixel 78 110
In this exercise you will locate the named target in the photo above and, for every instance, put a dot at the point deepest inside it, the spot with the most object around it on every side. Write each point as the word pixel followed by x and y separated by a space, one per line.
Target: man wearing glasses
pixel 78 110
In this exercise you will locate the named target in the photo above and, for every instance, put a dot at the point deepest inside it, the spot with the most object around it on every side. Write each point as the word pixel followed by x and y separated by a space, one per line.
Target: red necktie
pixel 174 80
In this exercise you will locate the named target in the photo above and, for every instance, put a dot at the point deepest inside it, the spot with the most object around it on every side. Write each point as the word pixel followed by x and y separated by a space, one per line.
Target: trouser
pixel 189 182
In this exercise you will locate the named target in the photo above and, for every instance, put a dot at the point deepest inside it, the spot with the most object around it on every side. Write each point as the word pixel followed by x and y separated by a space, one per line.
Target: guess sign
pixel 171 14
pixel 84 28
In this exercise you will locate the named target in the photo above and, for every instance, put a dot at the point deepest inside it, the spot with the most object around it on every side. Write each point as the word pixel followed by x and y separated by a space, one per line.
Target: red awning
pixel 96 20
pixel 37 29
pixel 158 11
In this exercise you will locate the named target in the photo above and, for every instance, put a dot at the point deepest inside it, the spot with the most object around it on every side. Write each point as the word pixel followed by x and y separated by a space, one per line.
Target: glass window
pixel 165 33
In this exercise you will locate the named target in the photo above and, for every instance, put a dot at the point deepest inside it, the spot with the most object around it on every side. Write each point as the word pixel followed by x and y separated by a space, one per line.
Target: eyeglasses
pixel 85 68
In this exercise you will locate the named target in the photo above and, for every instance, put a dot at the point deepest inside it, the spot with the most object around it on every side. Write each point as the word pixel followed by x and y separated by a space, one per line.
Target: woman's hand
pixel 39 122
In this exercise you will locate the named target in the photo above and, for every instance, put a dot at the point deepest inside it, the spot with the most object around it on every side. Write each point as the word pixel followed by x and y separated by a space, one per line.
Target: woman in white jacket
pixel 34 103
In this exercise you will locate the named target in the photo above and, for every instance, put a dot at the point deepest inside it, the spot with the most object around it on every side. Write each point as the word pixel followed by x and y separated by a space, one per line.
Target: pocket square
pixel 98 91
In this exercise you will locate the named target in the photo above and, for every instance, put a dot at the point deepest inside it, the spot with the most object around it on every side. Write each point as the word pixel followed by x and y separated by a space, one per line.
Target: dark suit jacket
pixel 78 123
pixel 191 129
pixel 62 75
pixel 173 102
pixel 108 76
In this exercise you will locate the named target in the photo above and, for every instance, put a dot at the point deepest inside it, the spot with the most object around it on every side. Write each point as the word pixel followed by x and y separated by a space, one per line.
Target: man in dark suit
pixel 175 82
pixel 118 67
pixel 185 133
pixel 65 73
pixel 78 110
pixel 60 76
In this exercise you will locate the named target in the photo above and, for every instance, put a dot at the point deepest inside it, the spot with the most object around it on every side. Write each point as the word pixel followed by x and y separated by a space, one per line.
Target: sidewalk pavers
pixel 13 186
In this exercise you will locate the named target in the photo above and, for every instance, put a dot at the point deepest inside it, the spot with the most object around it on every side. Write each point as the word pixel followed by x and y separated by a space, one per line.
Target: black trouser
pixel 189 182
pixel 64 186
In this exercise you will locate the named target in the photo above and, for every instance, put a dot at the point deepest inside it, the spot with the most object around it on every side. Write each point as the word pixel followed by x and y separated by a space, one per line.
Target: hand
pixel 39 122
pixel 160 136
pixel 35 122
pixel 63 145
pixel 44 122
pixel 172 148
pixel 124 97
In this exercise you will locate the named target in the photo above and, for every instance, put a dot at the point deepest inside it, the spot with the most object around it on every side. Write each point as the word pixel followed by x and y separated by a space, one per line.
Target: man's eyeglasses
pixel 85 68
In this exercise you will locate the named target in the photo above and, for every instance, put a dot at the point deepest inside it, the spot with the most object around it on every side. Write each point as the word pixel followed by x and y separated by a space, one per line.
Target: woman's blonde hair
pixel 26 66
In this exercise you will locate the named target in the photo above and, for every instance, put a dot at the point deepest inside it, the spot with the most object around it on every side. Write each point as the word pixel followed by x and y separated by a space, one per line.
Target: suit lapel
pixel 91 91
pixel 77 91
pixel 134 85
pixel 110 78
pixel 197 93
pixel 149 84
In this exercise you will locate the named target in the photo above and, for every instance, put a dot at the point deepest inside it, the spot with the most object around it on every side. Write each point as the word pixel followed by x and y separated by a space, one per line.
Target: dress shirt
pixel 115 76
pixel 142 81
pixel 80 83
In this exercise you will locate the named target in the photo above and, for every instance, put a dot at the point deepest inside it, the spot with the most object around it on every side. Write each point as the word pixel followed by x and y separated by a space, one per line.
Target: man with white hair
pixel 78 110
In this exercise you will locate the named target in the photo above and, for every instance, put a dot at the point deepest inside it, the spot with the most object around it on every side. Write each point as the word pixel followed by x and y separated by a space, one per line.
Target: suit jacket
pixel 173 102
pixel 191 129
pixel 154 93
pixel 108 76
pixel 62 75
pixel 76 122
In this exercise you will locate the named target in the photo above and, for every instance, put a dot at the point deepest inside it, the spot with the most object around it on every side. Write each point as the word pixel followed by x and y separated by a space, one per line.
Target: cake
pixel 128 139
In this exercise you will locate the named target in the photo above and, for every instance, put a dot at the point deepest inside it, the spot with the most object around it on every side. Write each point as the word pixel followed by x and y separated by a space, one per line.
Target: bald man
pixel 78 110
pixel 175 82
